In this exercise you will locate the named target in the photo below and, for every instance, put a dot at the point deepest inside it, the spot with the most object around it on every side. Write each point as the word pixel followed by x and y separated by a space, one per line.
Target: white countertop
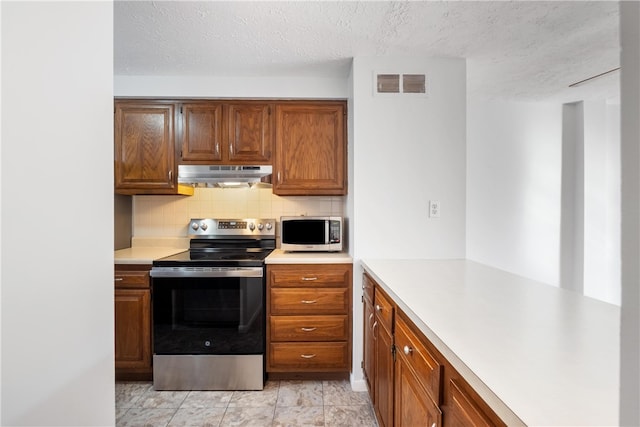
pixel 546 355
pixel 278 256
pixel 143 254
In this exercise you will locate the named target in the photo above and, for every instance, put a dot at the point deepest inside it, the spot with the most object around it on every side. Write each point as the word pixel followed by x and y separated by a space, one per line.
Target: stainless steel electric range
pixel 209 307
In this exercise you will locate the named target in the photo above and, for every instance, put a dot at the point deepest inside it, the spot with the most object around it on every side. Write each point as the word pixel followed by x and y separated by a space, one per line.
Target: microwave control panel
pixel 334 232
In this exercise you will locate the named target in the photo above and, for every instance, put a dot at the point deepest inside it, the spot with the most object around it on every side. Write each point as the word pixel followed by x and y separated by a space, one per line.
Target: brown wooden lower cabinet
pixel 368 360
pixel 411 383
pixel 132 312
pixel 383 359
pixel 309 320
pixel 413 405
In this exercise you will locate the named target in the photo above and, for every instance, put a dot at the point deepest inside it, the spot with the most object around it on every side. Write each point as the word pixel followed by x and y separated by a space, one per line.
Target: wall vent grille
pixel 389 83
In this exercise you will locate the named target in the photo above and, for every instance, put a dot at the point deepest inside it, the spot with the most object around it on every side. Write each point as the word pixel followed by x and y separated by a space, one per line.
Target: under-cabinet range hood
pixel 222 175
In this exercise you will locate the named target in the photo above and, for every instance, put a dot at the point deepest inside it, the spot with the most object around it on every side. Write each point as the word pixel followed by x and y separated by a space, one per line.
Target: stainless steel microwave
pixel 311 233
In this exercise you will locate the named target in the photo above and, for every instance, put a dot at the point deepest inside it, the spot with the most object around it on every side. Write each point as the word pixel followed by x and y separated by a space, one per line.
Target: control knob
pixel 204 226
pixel 252 226
pixel 269 226
pixel 194 225
pixel 260 226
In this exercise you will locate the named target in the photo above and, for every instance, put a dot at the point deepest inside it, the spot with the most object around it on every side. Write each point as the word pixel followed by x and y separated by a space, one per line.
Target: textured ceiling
pixel 517 49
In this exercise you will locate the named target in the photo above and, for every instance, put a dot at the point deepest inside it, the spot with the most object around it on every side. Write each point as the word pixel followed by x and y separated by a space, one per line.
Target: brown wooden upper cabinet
pixel 310 149
pixel 201 132
pixel 215 132
pixel 145 148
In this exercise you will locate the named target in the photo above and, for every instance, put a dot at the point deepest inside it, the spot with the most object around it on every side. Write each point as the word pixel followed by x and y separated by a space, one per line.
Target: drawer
pixel 131 278
pixel 309 275
pixel 383 309
pixel 309 328
pixel 309 356
pixel 308 301
pixel 423 363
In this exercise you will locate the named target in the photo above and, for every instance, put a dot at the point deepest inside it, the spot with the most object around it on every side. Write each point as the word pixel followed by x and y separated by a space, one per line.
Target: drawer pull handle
pixel 118 279
pixel 309 279
pixel 307 356
pixel 407 350
pixel 308 301
pixel 378 307
pixel 308 329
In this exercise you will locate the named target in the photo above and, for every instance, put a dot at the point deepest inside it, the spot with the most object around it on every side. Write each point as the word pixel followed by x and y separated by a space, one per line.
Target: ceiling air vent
pixel 388 83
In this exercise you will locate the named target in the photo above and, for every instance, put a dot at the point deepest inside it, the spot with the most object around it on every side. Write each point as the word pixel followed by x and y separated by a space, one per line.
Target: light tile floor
pixel 281 403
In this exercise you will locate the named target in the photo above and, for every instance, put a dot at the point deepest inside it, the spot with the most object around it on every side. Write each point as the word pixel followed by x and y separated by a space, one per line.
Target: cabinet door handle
pixel 407 350
pixel 278 177
pixel 308 329
pixel 378 307
pixel 370 319
pixel 308 301
pixel 309 279
pixel 307 356
pixel 170 175
pixel 373 329
pixel 231 148
pixel 118 279
pixel 217 147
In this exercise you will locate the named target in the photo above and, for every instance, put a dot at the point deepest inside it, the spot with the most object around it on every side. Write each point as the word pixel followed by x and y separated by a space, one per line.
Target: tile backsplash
pixel 168 216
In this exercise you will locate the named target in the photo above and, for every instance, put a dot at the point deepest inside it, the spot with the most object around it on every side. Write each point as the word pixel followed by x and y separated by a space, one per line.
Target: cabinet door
pixel 463 409
pixel 144 147
pixel 250 133
pixel 383 400
pixel 201 132
pixel 132 328
pixel 310 149
pixel 368 363
pixel 413 405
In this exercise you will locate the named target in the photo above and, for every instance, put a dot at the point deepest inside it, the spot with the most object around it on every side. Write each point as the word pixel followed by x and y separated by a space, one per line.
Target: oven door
pixel 214 311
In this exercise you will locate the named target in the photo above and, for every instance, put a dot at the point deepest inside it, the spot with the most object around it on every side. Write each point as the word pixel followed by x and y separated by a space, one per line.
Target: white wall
pixel 405 151
pixel 630 150
pixel 409 150
pixel 601 201
pixel 57 187
pixel 230 87
pixel 514 187
pixel 518 218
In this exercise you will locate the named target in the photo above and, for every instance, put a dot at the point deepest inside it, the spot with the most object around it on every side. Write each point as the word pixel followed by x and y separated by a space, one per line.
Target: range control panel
pixel 251 227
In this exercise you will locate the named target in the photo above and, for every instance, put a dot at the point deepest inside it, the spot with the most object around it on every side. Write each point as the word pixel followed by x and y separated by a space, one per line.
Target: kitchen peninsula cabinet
pixel 412 383
pixel 310 149
pixel 216 132
pixel 383 359
pixel 368 361
pixel 309 320
pixel 132 304
pixel 145 158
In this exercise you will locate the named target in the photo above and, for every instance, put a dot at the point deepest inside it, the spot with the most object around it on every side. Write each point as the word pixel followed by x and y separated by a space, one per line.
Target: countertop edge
pixel 278 256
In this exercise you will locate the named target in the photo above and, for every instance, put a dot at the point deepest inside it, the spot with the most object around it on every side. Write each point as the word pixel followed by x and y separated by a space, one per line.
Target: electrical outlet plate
pixel 434 209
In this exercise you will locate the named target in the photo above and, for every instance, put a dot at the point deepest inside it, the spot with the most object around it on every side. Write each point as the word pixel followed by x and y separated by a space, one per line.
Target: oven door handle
pixel 206 272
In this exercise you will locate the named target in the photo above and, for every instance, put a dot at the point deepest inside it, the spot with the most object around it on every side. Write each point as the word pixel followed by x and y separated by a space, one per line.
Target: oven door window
pixel 208 315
